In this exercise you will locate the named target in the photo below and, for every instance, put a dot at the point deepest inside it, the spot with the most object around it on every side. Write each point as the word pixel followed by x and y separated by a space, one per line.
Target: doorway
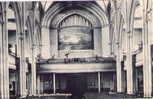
pixel 77 84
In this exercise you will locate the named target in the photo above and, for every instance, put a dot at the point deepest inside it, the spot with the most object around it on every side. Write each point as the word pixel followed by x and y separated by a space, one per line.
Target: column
pixel 38 84
pixel 147 67
pixel 119 71
pixel 21 54
pixel 54 84
pixel 4 67
pixel 129 66
pixel 118 46
pixel 99 81
pixel 33 72
pixel 33 55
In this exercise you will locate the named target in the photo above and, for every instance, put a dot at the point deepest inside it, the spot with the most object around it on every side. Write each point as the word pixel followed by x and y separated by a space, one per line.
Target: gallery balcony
pixel 72 65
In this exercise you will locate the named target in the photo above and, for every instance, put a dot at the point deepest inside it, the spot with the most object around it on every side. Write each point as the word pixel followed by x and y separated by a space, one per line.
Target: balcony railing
pixel 77 60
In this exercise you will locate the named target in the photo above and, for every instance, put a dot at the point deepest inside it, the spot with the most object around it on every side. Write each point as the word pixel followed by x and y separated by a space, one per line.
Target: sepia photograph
pixel 76 49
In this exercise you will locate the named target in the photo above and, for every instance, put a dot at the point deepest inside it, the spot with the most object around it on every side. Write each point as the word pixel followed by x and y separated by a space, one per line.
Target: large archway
pixel 92 14
pixel 73 34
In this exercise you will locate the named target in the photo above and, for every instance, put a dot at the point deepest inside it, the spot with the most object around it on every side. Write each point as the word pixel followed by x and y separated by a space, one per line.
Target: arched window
pixel 75 33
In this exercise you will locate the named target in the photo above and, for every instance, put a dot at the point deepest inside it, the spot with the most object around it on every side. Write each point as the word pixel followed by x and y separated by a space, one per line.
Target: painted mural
pixel 76 39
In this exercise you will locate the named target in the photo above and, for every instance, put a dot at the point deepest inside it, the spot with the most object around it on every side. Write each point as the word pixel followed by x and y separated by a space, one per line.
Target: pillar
pixel 33 55
pixel 21 54
pixel 118 46
pixel 119 71
pixel 147 32
pixel 147 68
pixel 33 73
pixel 4 66
pixel 38 84
pixel 54 84
pixel 129 66
pixel 99 82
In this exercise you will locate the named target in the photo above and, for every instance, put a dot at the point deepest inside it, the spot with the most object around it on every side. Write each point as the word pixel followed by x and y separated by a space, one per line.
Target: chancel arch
pixel 93 16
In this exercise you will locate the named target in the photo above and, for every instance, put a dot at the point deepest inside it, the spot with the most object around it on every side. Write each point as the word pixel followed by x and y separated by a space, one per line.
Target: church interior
pixel 49 47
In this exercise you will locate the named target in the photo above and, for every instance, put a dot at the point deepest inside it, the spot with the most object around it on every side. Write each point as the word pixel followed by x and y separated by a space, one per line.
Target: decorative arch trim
pixel 89 6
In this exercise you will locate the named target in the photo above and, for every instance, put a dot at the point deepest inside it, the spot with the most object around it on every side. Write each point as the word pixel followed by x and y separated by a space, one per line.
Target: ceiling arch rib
pixel 74 20
pixel 60 17
pixel 17 13
pixel 55 9
pixel 97 11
